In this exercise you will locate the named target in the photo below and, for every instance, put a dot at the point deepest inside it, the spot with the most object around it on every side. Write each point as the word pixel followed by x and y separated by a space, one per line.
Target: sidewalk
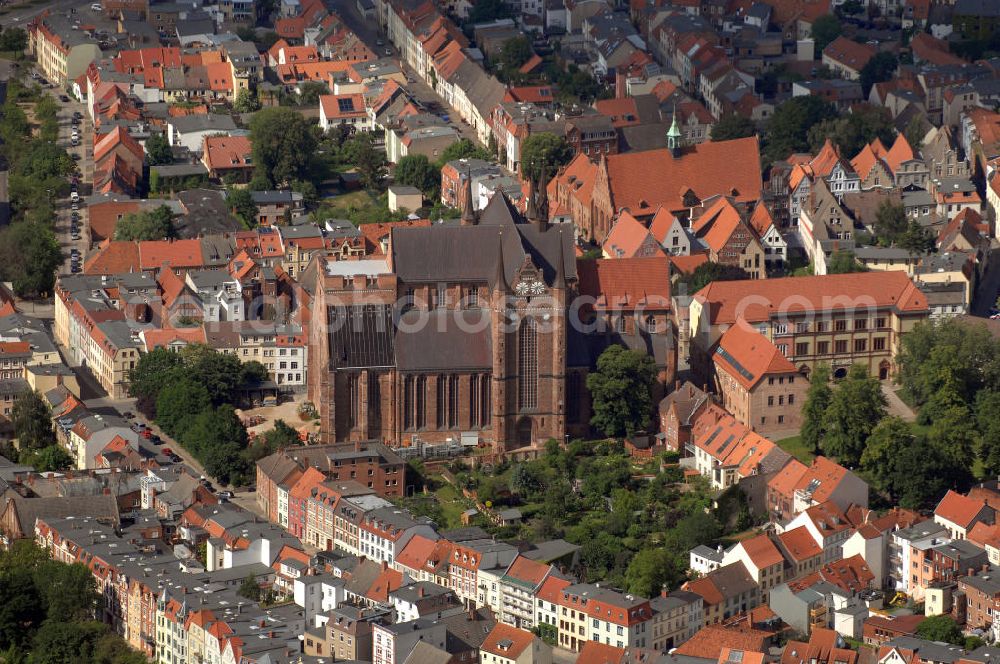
pixel 897 406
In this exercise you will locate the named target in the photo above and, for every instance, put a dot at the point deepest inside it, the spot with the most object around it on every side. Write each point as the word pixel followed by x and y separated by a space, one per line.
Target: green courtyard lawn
pixel 794 446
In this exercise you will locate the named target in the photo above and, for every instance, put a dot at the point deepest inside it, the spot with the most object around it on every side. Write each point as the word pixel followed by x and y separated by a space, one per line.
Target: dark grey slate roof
pixel 451 339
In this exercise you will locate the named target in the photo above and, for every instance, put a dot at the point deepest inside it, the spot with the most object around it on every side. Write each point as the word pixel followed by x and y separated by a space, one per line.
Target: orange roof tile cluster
pixel 851 574
pixel 507 641
pixel 163 337
pixel 927 48
pixel 761 220
pixel 849 53
pixel 643 181
pixel 749 357
pixel 343 107
pixel 958 509
pixel 227 152
pixel 799 544
pixel 757 301
pixel 527 570
pixel 822 478
pixel 709 641
pixel 629 238
pixel 822 648
pixel 761 551
pixel 626 283
pixel 730 443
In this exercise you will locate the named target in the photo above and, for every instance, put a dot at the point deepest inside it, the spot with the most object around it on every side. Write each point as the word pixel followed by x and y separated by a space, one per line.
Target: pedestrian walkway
pixel 897 406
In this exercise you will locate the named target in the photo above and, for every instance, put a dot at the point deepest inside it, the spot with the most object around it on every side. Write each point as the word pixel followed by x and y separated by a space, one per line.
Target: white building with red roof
pixel 510 645
pixel 798 487
pixel 829 527
pixel 958 514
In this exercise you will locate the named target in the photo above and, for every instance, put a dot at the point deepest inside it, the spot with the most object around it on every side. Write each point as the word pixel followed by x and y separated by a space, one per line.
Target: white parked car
pixel 97 7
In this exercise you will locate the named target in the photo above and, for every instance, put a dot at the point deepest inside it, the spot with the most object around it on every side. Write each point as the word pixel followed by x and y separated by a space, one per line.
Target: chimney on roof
pixel 986 568
pixel 971 572
pixel 385 565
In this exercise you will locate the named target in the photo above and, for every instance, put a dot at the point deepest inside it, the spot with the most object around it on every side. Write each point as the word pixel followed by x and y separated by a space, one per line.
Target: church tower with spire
pixel 675 139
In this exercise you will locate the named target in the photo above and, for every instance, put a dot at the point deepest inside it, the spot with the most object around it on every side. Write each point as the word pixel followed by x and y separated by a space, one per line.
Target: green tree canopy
pixel 889 437
pixel 152 373
pixel 917 239
pixel 370 161
pixel 544 152
pixel 788 129
pixel 844 262
pixel 621 391
pixel 733 126
pixel 708 272
pixel 987 408
pixel 513 53
pixel 240 201
pixel 941 628
pixel 156 224
pixel 890 222
pixel 649 571
pixel 880 68
pixel 246 101
pixel 463 149
pixel 417 171
pixel 178 402
pixel 852 131
pixel 250 589
pixel 13 39
pixel 310 92
pixel 856 407
pixel 818 399
pixel 825 29
pixel 283 144
pixel 32 421
pixel 158 149
pixel 29 257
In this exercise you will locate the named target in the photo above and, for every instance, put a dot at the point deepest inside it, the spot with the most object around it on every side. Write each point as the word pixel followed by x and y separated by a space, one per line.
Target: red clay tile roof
pixel 627 237
pixel 113 258
pixel 709 641
pixel 758 300
pixel 155 254
pixel 799 544
pixel 958 509
pixel 828 518
pixel 643 181
pixel 103 217
pixel 310 479
pixel 507 642
pixel 849 53
pixel 551 589
pixel 749 357
pixel 416 553
pixel 785 481
pixel 826 475
pixel 761 220
pixel 626 283
pixel 163 337
pixel 527 570
pixel 225 152
pixel 761 551
pixel 851 574
pixel 688 264
pixel 595 652
pixel 14 348
pixel 339 107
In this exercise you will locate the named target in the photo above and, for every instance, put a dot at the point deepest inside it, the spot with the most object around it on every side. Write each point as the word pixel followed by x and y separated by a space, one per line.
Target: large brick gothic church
pixel 462 332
